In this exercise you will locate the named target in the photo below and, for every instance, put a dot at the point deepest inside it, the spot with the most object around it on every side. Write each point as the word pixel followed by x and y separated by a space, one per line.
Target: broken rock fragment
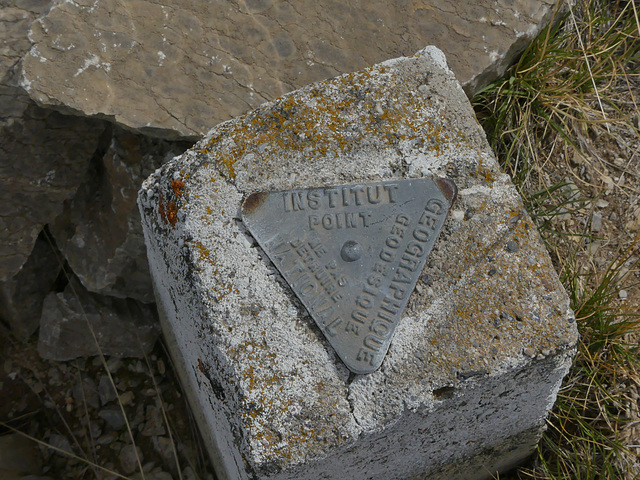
pixel 122 327
pixel 22 295
pixel 99 232
pixel 15 21
pixel 43 155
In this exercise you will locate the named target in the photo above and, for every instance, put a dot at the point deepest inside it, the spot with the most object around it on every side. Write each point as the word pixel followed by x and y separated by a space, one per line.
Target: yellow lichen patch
pixel 484 173
pixel 325 120
pixel 492 284
pixel 267 406
pixel 204 251
pixel 207 256
pixel 228 161
pixel 250 377
pixel 224 288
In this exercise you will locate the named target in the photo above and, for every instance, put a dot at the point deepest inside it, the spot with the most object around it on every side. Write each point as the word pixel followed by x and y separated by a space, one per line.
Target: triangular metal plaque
pixel 352 254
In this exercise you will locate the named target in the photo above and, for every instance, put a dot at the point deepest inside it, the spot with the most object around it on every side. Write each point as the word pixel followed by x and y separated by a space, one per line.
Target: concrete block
pixel 479 353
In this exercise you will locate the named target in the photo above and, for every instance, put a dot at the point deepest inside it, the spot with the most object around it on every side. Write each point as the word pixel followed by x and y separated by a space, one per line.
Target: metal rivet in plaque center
pixel 351 251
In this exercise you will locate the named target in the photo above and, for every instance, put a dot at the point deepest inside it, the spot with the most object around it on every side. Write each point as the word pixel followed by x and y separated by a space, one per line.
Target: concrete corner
pixel 479 353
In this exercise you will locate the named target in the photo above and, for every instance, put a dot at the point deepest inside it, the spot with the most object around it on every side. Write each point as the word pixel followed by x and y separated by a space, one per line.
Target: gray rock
pixel 15 20
pixel 160 476
pixel 123 327
pixel 154 422
pixel 596 222
pixel 164 446
pixel 113 417
pixel 127 398
pixel 86 391
pixel 19 456
pixel 176 68
pixel 114 364
pixel 43 155
pixel 107 438
pixel 99 232
pixel 156 474
pixel 137 420
pixel 95 430
pixel 105 390
pixel 512 246
pixel 61 443
pixel 128 459
pixel 43 159
pixel 22 295
pixel 189 474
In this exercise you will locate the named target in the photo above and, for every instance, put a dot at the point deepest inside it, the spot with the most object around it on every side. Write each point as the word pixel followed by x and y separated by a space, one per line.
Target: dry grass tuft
pixel 564 123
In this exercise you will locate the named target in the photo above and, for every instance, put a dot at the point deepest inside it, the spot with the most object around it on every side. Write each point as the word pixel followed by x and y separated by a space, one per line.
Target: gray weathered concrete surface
pixel 176 68
pixel 476 360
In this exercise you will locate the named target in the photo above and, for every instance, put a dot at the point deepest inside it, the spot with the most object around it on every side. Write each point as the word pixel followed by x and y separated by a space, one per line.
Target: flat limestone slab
pixel 479 353
pixel 175 68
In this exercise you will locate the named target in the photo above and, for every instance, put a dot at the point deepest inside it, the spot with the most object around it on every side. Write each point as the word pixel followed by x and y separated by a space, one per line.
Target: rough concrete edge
pixel 506 456
pixel 562 363
pixel 224 469
pixel 182 374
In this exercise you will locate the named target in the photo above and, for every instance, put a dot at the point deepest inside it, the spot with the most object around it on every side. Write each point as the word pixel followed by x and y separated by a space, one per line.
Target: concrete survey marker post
pixel 243 229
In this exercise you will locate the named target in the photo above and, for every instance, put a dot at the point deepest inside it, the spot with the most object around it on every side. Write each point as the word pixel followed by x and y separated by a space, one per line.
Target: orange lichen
pixel 168 211
pixel 172 213
pixel 326 125
pixel 178 187
pixel 204 251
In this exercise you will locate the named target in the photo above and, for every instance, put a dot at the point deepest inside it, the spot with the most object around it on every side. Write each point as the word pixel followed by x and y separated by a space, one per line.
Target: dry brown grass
pixel 564 123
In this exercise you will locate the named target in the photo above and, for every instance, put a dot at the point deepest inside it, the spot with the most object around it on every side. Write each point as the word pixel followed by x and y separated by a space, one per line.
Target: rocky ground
pixel 73 407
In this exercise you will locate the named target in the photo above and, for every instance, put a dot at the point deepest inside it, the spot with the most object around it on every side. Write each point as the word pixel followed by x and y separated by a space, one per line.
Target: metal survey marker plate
pixel 352 254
